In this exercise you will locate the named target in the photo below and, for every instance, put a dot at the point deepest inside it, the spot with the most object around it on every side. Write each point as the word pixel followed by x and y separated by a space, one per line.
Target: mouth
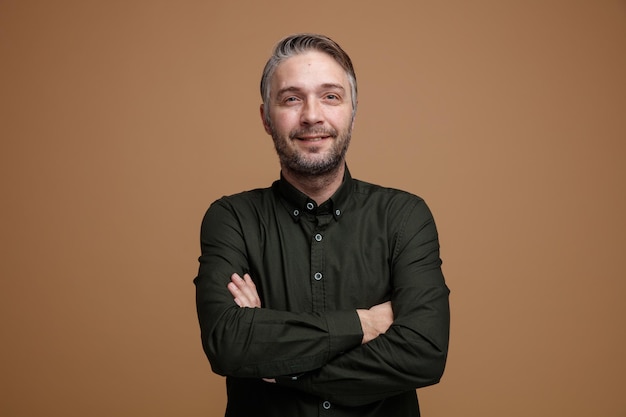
pixel 312 135
pixel 312 138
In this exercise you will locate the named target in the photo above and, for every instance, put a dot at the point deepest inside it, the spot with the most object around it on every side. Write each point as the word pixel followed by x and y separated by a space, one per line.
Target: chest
pixel 320 263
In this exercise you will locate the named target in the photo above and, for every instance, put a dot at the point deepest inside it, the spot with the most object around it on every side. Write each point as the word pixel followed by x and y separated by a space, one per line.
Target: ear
pixel 265 125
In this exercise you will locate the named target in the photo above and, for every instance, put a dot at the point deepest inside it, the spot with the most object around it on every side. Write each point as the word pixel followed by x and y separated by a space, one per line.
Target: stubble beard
pixel 310 164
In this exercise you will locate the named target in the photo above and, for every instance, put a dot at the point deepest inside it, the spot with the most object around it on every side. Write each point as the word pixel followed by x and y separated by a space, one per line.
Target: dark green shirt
pixel 313 267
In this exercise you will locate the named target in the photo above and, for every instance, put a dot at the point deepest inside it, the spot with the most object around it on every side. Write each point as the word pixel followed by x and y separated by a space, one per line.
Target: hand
pixel 375 321
pixel 244 291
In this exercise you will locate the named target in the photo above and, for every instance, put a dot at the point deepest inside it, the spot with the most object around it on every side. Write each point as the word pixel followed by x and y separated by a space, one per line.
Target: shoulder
pixel 398 207
pixel 384 195
pixel 243 197
pixel 241 200
pixel 240 206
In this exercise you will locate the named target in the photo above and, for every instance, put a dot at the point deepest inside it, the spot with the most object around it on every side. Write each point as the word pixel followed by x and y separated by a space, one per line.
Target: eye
pixel 290 100
pixel 332 99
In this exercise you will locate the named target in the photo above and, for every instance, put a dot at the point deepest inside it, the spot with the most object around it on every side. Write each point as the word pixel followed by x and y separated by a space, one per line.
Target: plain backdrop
pixel 121 121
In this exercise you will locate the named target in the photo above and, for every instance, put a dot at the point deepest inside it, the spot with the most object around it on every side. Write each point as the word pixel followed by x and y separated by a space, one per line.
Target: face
pixel 310 113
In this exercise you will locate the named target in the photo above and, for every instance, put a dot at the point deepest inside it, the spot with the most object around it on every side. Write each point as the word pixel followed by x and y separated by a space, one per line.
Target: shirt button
pixel 338 212
pixel 310 206
pixel 317 276
pixel 296 212
pixel 326 405
pixel 318 237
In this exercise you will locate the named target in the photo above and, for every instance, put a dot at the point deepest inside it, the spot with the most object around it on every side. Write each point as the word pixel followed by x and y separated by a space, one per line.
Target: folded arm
pixel 374 321
pixel 412 353
pixel 258 342
pixel 327 350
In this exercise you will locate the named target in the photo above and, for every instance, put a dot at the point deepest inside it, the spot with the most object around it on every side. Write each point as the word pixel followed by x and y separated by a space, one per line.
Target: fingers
pixel 384 309
pixel 376 320
pixel 384 316
pixel 244 291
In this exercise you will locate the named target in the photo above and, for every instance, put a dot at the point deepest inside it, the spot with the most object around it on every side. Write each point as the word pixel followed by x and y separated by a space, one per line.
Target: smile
pixel 312 138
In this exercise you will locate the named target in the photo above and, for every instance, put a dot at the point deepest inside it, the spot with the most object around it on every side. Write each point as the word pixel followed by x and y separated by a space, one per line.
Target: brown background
pixel 121 121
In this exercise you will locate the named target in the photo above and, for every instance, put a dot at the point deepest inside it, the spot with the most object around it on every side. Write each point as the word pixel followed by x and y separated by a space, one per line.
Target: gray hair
pixel 298 44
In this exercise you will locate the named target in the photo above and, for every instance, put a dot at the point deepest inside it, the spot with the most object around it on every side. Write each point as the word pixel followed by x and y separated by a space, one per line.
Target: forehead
pixel 309 70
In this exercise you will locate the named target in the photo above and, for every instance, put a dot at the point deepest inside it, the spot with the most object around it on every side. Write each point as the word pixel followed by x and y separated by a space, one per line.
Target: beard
pixel 312 163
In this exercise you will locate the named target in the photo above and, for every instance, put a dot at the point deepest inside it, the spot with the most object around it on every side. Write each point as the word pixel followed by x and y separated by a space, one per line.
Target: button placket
pixel 317 269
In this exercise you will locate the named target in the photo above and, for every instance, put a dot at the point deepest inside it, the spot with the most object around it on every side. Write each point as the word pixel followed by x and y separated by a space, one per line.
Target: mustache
pixel 314 131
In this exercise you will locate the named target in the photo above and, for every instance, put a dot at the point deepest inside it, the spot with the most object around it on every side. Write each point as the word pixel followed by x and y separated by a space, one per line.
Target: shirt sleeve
pixel 257 342
pixel 412 353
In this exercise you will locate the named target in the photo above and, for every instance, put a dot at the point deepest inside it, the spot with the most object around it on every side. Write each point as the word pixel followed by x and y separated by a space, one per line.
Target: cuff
pixel 344 328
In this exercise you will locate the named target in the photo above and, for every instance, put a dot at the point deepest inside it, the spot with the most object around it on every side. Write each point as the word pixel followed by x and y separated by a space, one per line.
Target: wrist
pixel 364 320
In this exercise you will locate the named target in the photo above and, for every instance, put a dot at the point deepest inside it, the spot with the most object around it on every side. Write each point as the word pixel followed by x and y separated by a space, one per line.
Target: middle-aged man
pixel 320 295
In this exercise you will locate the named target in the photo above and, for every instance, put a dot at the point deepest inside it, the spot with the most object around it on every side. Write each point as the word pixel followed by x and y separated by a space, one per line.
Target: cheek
pixel 341 119
pixel 284 120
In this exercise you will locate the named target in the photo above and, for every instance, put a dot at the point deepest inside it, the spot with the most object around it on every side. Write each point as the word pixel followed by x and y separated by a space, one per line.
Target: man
pixel 321 295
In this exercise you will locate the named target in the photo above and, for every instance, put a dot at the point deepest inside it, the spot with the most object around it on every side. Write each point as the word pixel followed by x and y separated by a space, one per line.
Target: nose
pixel 312 113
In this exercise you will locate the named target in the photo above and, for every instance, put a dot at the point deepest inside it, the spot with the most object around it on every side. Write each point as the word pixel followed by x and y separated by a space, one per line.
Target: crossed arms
pixel 352 357
pixel 374 321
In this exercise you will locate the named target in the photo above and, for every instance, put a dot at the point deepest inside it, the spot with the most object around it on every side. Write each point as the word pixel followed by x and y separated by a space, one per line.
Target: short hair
pixel 298 44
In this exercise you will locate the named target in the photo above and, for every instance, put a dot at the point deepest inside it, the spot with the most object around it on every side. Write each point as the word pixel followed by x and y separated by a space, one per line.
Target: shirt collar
pixel 298 203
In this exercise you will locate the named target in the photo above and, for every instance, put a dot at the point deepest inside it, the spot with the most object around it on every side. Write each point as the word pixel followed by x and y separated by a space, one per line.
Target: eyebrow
pixel 324 86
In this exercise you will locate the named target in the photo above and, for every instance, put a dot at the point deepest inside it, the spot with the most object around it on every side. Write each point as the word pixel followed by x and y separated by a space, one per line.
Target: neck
pixel 319 188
